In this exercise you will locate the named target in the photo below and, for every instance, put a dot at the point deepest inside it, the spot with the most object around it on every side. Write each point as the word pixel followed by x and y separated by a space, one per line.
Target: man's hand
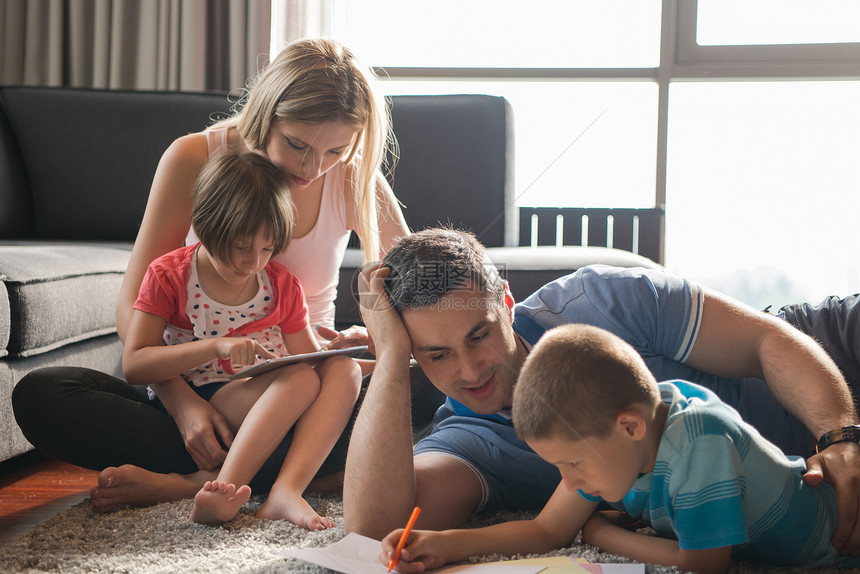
pixel 839 465
pixel 384 325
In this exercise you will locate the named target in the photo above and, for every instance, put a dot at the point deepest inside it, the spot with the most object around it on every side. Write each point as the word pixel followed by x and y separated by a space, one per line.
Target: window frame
pixel 760 61
pixel 681 59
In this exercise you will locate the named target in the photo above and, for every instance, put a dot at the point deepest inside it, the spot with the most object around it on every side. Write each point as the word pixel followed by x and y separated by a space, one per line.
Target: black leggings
pixel 95 420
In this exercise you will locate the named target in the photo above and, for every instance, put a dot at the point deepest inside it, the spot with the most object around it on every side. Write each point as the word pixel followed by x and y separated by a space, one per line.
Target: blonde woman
pixel 313 112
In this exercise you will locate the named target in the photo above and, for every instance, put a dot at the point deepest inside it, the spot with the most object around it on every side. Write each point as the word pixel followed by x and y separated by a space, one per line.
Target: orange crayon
pixel 403 537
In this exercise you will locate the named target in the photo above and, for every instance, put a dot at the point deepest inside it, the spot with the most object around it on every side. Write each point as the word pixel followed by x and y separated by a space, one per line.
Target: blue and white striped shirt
pixel 716 482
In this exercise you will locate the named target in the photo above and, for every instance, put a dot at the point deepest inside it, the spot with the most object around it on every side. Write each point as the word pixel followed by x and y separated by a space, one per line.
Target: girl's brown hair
pixel 236 195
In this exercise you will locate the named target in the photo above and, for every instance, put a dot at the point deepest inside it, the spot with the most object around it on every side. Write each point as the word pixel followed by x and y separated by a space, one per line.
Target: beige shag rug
pixel 161 539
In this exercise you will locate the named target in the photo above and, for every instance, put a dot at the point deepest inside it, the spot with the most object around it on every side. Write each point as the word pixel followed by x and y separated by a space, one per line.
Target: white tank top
pixel 314 258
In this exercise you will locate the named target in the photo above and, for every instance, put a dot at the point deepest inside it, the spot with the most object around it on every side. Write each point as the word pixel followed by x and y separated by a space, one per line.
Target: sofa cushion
pixel 88 150
pixel 16 208
pixel 59 293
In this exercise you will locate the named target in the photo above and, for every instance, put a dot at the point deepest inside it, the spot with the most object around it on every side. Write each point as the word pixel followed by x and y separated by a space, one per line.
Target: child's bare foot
pixel 286 505
pixel 135 486
pixel 217 502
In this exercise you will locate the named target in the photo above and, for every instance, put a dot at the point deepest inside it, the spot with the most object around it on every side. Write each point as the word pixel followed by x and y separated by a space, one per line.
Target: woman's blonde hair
pixel 317 81
pixel 237 195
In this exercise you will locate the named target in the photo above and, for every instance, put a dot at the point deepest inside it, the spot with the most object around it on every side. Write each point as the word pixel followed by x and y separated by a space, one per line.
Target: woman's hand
pixel 198 422
pixel 424 550
pixel 352 337
pixel 201 425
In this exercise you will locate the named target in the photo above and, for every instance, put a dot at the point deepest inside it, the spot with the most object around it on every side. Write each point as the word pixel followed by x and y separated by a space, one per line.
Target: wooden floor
pixel 34 487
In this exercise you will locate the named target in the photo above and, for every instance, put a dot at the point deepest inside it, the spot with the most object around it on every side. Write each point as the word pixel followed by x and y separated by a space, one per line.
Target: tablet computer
pixel 270 364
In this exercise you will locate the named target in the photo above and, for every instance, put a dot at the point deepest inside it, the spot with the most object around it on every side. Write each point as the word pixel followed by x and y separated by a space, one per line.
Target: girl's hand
pixel 240 351
pixel 424 550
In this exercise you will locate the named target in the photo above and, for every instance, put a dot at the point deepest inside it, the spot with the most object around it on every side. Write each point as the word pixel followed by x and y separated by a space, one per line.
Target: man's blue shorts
pixel 512 476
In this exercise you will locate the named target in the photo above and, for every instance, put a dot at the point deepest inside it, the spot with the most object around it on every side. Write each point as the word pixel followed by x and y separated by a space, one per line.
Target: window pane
pixel 578 144
pixel 764 188
pixel 502 33
pixel 749 22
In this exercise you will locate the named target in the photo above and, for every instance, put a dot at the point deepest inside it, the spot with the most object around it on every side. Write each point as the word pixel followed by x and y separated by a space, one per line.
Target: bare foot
pixel 287 505
pixel 136 486
pixel 217 502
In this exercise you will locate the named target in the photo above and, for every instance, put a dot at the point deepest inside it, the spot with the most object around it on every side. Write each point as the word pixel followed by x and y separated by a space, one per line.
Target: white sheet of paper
pixel 615 568
pixel 356 554
pixel 622 568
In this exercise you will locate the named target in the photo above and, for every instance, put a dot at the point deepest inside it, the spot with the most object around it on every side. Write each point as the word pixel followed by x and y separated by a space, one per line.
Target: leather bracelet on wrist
pixel 845 434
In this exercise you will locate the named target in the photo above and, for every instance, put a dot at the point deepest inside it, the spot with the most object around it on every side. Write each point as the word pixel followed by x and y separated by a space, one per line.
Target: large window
pixel 762 199
pixel 579 76
pixel 502 33
pixel 565 133
pixel 738 116
pixel 762 186
pixel 777 22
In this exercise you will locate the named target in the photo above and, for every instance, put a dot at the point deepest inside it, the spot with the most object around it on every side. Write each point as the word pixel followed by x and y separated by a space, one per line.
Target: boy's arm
pixel 609 537
pixel 555 527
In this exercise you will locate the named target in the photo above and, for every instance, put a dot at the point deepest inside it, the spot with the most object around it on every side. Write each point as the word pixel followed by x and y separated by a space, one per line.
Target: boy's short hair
pixel 575 382
pixel 237 195
pixel 429 264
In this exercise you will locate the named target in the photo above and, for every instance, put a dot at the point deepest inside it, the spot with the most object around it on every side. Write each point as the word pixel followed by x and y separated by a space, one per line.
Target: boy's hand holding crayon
pixel 424 550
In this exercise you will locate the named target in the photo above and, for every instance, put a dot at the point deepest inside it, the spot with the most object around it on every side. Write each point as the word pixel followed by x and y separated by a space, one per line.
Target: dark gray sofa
pixel 75 171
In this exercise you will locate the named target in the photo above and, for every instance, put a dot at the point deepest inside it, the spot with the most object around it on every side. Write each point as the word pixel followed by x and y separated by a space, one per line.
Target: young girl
pixel 206 310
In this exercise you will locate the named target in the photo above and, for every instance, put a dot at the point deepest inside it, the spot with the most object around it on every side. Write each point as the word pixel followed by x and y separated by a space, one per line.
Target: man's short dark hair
pixel 427 265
